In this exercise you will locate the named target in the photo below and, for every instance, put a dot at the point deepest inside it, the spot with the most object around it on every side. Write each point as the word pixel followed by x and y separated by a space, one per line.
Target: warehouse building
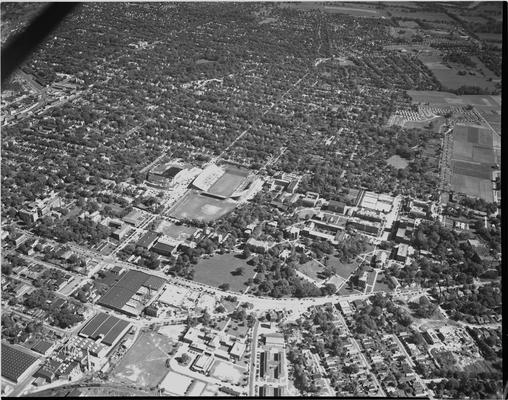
pixel 166 246
pixel 17 365
pixel 105 329
pixel 147 240
pixel 132 292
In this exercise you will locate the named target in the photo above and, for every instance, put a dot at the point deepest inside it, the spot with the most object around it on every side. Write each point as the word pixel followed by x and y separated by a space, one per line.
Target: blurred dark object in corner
pixel 23 44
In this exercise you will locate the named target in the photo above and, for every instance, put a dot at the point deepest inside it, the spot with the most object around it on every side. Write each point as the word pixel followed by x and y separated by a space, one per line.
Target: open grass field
pixel 201 207
pixel 343 269
pixel 449 76
pixel 431 96
pixel 237 329
pixel 381 286
pixel 144 364
pixel 311 269
pixel 402 12
pixel 353 10
pixel 178 232
pixel 227 184
pixel 397 162
pixel 217 270
pixel 228 372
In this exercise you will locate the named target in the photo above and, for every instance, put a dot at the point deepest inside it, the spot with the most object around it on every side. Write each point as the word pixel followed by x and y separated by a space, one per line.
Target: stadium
pixel 223 183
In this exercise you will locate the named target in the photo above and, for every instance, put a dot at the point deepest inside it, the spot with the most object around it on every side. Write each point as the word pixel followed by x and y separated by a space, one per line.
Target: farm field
pixel 145 362
pixel 217 270
pixel 201 207
pixel 472 186
pixel 472 158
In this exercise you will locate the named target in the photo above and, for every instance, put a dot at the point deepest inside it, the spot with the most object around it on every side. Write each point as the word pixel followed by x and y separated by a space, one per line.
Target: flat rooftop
pixel 121 296
pixel 15 362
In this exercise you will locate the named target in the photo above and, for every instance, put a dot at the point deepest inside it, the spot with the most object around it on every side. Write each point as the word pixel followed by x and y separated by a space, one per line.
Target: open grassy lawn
pixel 380 285
pixel 311 269
pixel 145 362
pixel 228 372
pixel 345 291
pixel 343 269
pixel 397 162
pixel 217 270
pixel 237 329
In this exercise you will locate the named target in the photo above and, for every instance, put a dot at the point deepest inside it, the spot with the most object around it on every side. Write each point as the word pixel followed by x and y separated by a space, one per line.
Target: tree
pixel 351 369
pixel 205 318
pixel 224 286
pixel 184 359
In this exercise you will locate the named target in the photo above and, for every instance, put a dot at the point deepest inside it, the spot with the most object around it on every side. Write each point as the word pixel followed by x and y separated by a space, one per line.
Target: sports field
pixel 145 362
pixel 217 270
pixel 227 184
pixel 201 207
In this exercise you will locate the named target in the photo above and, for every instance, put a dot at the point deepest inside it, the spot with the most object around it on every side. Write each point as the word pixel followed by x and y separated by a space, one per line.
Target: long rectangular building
pixel 108 328
pixel 16 364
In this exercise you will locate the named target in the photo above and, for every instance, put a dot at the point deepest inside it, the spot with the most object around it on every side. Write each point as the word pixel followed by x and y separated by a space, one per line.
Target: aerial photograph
pixel 251 199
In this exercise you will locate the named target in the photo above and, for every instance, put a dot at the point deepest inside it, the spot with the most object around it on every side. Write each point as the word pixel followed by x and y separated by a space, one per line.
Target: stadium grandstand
pixel 208 177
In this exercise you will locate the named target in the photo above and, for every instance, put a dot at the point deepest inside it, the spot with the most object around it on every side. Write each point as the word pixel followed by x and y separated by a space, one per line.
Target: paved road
pixel 252 372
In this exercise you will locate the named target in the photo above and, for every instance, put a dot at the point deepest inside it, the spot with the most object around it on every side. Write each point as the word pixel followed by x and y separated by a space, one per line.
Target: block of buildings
pixel 132 292
pixel 134 218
